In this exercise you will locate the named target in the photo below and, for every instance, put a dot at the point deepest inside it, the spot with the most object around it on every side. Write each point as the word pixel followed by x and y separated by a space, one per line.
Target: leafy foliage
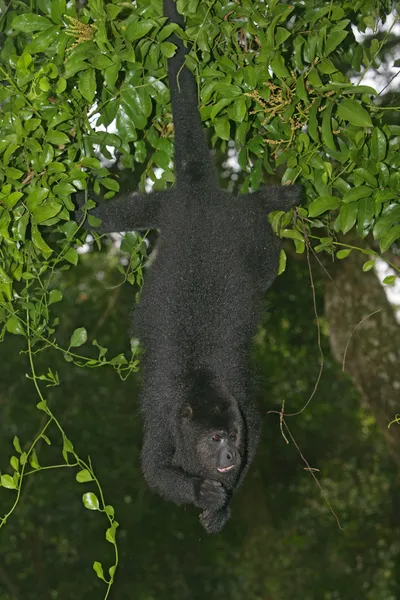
pixel 270 78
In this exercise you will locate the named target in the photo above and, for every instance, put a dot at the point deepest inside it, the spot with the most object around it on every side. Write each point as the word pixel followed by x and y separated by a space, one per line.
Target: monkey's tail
pixel 190 141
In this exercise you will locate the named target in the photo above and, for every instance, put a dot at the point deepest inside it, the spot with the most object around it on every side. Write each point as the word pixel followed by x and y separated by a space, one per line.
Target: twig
pixel 354 330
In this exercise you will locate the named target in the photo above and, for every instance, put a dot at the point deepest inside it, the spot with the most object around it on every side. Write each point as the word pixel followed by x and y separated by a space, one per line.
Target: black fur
pixel 198 313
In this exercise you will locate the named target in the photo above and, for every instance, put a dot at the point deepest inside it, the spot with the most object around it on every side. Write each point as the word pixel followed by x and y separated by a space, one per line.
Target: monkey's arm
pixel 129 212
pixel 172 482
pixel 169 481
pixel 277 197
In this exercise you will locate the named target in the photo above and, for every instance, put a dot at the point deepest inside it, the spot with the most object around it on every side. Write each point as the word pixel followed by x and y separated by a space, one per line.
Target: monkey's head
pixel 211 433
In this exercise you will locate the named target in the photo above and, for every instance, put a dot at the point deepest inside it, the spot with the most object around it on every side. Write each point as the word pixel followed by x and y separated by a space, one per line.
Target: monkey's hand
pixel 210 495
pixel 213 521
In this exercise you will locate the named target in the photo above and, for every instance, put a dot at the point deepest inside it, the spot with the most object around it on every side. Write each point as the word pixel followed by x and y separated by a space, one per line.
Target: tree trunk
pixel 368 344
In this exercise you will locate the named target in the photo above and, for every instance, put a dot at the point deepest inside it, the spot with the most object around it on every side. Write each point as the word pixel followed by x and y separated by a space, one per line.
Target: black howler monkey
pixel 198 312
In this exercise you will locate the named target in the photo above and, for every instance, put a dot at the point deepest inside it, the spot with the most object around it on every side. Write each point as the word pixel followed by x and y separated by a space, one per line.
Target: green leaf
pixel 326 66
pixel 44 84
pixel 301 89
pixel 42 405
pixel 239 109
pixel 241 132
pixel 292 234
pixel 383 173
pixel 61 85
pixel 365 216
pixel 98 569
pixel 326 128
pixel 14 462
pixel 348 216
pixel 91 501
pixel 109 510
pixel 275 219
pixel 46 211
pixel 367 266
pixel 57 10
pixel 73 66
pixel 119 360
pixel 282 262
pixel 31 125
pixel 87 84
pixel 365 175
pixel 110 184
pixel 64 189
pixel 354 113
pixel 281 35
pixel 314 79
pixel 390 279
pixel 140 153
pixel 313 120
pixel 219 106
pixel 11 200
pixel 72 256
pixel 161 159
pixel 385 195
pixel 333 40
pixel 36 197
pixel 378 144
pixel 33 460
pixel 138 29
pixel 67 445
pixel 78 338
pixel 13 325
pixel 30 22
pixel 222 127
pixel 110 533
pixel 84 476
pixel 168 49
pixel 389 238
pixel 4 278
pixel 299 246
pixel 91 162
pixel 323 204
pixel 13 173
pixel 277 64
pixel 42 41
pixel 17 444
pixel 112 11
pixel 58 138
pixel 343 253
pixel 137 104
pixel 356 193
pixel 8 482
pixel 55 296
pixel 101 61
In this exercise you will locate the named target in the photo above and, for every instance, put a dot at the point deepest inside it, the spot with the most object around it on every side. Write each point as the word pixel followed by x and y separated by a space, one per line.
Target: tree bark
pixel 367 344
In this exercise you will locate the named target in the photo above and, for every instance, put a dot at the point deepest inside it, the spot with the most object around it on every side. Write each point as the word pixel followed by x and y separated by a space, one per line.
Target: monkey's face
pixel 211 441
pixel 219 452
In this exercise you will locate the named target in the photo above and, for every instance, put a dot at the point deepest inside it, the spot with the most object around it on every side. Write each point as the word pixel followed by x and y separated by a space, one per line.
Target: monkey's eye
pixel 233 434
pixel 216 437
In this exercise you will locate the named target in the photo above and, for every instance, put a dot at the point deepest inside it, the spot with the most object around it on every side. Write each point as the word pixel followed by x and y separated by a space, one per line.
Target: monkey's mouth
pixel 224 469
